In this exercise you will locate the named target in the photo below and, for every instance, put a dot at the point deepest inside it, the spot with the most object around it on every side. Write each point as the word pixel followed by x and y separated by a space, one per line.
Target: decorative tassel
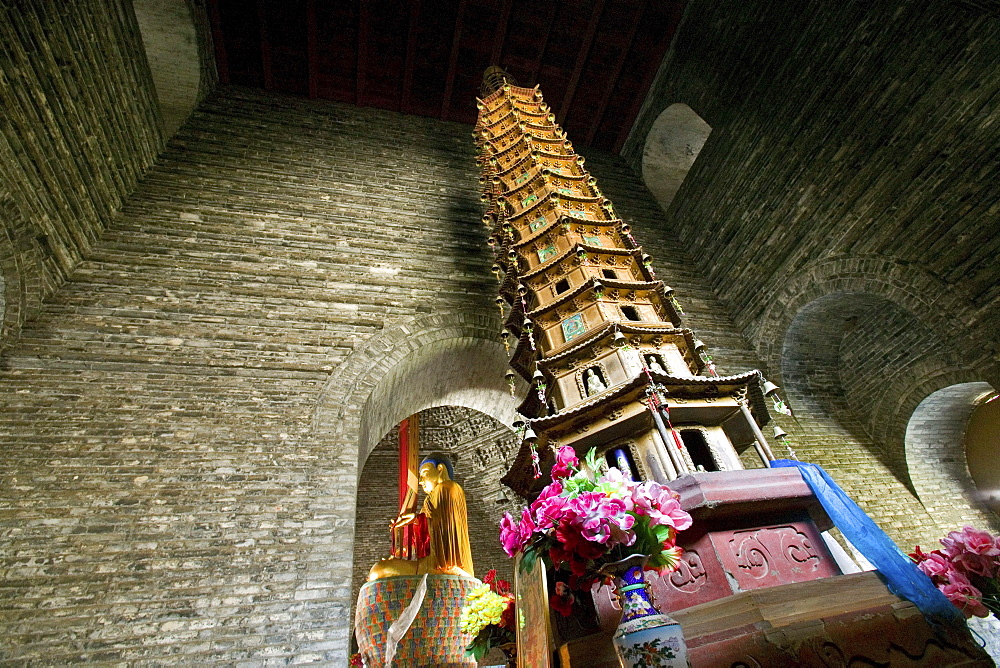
pixel 529 328
pixel 535 464
pixel 780 406
pixel 676 304
pixel 707 359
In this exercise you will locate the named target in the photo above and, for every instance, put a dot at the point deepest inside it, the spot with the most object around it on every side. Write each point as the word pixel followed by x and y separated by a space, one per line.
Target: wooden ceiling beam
pixel 449 84
pixel 500 33
pixel 265 46
pixel 615 72
pixel 218 41
pixel 411 54
pixel 312 48
pixel 676 12
pixel 364 30
pixel 536 68
pixel 581 60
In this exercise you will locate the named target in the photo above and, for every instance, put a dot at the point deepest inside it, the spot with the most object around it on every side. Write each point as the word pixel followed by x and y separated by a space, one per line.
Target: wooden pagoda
pixel 600 340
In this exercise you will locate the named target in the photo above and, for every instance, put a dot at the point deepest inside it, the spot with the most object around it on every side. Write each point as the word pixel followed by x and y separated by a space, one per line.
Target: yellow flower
pixel 484 608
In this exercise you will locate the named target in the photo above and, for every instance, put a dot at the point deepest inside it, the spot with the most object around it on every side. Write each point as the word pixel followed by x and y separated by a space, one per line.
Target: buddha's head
pixel 434 470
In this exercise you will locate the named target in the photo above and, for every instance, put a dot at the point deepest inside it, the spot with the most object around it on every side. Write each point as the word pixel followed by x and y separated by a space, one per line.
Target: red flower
pixel 562 600
pixel 507 616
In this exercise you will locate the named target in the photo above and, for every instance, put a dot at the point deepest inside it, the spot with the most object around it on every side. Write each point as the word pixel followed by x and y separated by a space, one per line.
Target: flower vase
pixel 645 637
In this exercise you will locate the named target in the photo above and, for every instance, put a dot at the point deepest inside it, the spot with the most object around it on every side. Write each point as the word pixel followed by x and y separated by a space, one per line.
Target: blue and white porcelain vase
pixel 645 638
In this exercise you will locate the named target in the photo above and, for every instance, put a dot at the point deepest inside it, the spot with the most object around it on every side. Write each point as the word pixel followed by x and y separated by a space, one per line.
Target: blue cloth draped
pixel 902 576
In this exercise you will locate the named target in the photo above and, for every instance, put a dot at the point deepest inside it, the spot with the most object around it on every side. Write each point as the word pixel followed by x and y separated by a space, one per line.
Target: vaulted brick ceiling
pixel 595 59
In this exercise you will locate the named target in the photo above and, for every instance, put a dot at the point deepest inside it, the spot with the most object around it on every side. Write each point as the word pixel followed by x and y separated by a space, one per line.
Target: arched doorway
pixel 672 145
pixel 936 438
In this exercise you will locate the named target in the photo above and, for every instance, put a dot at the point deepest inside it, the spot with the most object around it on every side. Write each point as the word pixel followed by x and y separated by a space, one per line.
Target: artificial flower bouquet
pixel 967 570
pixel 582 521
pixel 489 617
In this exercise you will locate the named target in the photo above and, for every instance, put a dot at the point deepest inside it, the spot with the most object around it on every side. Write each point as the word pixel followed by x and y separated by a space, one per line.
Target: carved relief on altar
pixel 771 556
pixel 690 575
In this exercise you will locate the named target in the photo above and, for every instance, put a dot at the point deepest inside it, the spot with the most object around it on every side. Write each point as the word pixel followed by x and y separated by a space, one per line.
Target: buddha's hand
pixel 403 520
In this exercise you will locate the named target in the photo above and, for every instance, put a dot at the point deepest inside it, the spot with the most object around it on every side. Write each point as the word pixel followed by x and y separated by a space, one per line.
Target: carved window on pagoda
pixel 654 362
pixel 561 286
pixel 631 313
pixel 592 380
pixel 622 458
pixel 701 452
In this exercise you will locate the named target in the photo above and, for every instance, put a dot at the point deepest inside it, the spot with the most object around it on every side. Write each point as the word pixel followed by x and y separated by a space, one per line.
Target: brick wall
pixel 81 125
pixel 853 131
pixel 183 419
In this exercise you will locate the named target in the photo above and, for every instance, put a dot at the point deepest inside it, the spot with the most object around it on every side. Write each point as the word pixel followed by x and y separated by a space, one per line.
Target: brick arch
pixel 933 302
pixel 935 455
pixel 448 359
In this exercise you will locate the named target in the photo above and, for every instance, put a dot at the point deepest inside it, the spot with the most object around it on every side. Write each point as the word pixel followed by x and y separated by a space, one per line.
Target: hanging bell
pixel 699 345
pixel 521 289
pixel 581 253
pixel 538 376
pixel 668 291
pixel 647 259
pixel 598 288
pixel 619 340
pixel 626 228
pixel 530 436
pixel 769 388
pixel 518 425
pixel 779 433
pixel 512 255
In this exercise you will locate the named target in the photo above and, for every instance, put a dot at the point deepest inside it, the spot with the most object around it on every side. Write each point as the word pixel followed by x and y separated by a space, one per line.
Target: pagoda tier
pixel 596 334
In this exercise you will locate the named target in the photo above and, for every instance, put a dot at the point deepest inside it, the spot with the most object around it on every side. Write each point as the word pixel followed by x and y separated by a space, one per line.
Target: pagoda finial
pixel 494 79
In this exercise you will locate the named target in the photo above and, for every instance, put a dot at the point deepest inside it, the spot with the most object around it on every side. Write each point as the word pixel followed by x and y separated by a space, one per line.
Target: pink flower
pixel 661 505
pixel 526 529
pixel 936 565
pixel 966 598
pixel 602 518
pixel 549 512
pixel 970 539
pixel 515 536
pixel 509 535
pixel 566 463
pixel 973 550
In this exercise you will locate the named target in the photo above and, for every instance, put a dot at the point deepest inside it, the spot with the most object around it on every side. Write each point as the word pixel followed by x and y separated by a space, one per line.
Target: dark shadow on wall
pixel 867 363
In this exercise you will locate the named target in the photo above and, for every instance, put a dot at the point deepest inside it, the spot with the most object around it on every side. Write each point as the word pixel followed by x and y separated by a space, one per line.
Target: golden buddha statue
pixel 447 526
